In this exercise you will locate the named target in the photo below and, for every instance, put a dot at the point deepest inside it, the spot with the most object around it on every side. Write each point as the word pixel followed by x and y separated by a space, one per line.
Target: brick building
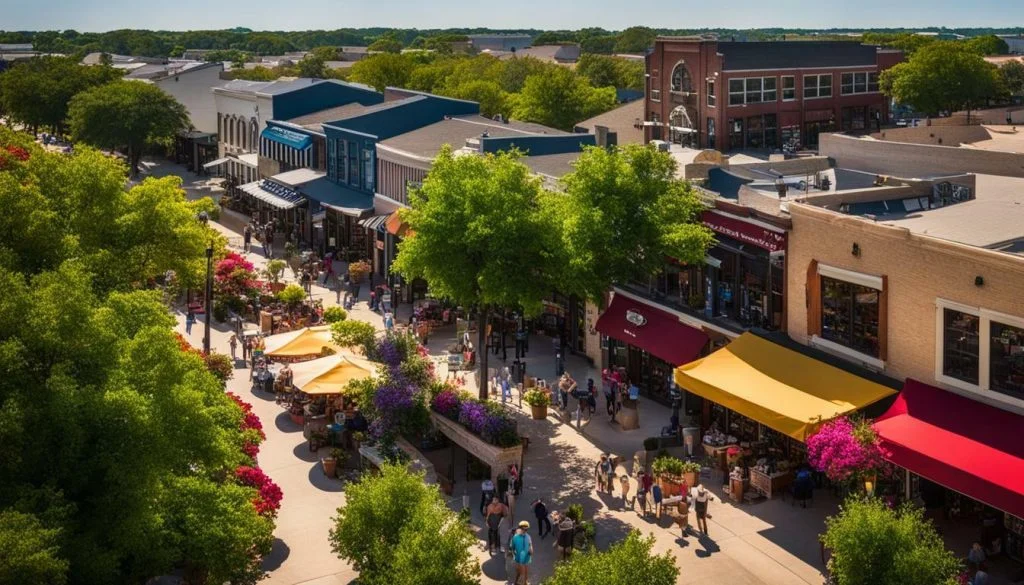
pixel 732 95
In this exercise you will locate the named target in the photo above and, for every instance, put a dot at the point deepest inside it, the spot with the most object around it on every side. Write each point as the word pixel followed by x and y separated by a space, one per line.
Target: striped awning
pixel 273 194
pixel 375 222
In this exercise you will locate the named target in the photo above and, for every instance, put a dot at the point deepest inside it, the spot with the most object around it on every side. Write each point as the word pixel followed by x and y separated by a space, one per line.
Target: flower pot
pixel 670 487
pixel 330 466
pixel 297 418
pixel 690 477
pixel 539 412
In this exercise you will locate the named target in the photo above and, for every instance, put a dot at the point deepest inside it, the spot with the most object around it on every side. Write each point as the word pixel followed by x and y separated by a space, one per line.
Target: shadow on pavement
pixel 322 482
pixel 284 423
pixel 708 546
pixel 279 552
pixel 301 451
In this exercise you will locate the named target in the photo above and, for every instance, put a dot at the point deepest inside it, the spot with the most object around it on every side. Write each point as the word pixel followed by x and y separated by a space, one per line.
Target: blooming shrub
pixel 843 449
pixel 485 419
pixel 251 427
pixel 447 403
pixel 268 496
pixel 220 366
pixel 235 277
pixel 473 415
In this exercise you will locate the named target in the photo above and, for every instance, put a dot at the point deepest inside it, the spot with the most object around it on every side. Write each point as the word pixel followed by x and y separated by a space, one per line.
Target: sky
pixel 103 15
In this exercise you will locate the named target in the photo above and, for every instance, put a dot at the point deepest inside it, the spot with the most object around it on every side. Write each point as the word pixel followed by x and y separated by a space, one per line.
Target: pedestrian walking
pixel 307 281
pixel 643 496
pixel 700 504
pixel 522 551
pixel 190 320
pixel 247 238
pixel 510 559
pixel 624 484
pixel 389 321
pixel 233 342
pixel 495 514
pixel 656 498
pixel 540 511
pixel 591 398
pixel 486 493
pixel 246 348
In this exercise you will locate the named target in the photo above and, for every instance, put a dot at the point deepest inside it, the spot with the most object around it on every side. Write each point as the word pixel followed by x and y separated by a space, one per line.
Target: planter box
pixel 539 412
pixel 670 488
pixel 497 458
pixel 690 477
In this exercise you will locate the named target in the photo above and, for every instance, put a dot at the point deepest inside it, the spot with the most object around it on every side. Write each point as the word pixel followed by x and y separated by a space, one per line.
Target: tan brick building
pixel 911 305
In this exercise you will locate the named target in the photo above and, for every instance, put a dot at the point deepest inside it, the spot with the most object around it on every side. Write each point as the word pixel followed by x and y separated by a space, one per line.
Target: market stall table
pixel 769 485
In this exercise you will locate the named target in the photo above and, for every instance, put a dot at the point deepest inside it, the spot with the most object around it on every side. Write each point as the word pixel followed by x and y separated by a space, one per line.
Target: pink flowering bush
pixel 235 277
pixel 843 450
pixel 269 495
pixel 251 427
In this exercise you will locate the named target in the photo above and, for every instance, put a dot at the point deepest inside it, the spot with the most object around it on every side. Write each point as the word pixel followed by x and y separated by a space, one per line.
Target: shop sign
pixel 636 318
pixel 749 233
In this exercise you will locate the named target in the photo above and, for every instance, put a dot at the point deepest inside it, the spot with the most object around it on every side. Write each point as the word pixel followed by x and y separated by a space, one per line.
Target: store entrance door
pixel 635 364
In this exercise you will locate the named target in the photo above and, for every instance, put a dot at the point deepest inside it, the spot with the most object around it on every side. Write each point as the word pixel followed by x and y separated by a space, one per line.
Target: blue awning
pixel 339 198
pixel 288 138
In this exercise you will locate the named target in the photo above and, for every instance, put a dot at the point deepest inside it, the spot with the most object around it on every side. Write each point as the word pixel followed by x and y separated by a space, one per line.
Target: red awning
pixel 657 332
pixel 962 444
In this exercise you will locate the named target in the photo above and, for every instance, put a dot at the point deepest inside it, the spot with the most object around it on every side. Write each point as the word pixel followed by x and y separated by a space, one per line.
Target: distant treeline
pixel 147 43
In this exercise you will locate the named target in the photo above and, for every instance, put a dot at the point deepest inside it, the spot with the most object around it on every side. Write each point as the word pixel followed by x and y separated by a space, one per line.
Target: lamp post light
pixel 869 484
pixel 209 298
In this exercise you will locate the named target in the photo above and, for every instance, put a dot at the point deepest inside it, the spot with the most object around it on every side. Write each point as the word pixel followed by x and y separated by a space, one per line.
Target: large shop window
pixel 849 315
pixel 859 82
pixel 752 90
pixel 980 350
pixel 817 86
pixel 788 88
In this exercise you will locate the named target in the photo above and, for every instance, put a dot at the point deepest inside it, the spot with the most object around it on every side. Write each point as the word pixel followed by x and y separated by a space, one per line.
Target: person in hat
pixel 700 504
pixel 522 552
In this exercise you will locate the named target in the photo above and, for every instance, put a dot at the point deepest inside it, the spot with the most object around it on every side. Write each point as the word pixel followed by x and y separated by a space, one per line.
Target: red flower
pixel 268 499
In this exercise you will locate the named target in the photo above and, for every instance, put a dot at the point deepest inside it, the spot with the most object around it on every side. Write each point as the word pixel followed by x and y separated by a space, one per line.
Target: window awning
pixel 215 163
pixel 276 195
pixel 375 223
pixel 778 387
pixel 657 332
pixel 288 138
pixel 396 226
pixel 342 199
pixel 960 443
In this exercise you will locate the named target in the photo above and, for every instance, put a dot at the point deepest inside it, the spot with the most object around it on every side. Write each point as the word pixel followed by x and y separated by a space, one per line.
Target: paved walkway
pixel 770 543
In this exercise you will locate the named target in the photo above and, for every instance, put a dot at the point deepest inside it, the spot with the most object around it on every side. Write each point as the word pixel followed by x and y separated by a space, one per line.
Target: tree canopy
pixel 872 544
pixel 603 71
pixel 99 497
pixel 626 562
pixel 396 530
pixel 943 76
pixel 560 99
pixel 36 92
pixel 1013 77
pixel 126 114
pixel 624 212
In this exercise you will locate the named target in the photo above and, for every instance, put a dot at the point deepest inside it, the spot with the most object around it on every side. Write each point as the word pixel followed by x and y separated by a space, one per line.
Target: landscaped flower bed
pixel 484 419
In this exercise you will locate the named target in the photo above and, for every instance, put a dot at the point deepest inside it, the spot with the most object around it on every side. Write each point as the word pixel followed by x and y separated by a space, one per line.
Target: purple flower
pixel 448 404
pixel 391 399
pixel 389 353
pixel 473 416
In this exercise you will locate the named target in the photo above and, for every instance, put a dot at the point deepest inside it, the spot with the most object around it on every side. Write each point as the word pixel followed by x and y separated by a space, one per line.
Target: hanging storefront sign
pixel 762 237
pixel 636 318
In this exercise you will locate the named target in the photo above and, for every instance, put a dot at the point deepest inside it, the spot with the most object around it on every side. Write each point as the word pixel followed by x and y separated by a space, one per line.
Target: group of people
pixel 617 387
pixel 265 234
pixel 649 494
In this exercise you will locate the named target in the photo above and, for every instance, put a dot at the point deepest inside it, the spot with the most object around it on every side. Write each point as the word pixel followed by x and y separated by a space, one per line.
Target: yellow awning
pixel 301 342
pixel 329 375
pixel 779 388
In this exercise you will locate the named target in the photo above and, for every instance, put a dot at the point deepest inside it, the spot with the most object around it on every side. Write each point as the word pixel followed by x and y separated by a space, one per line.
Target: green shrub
pixel 575 512
pixel 292 294
pixel 334 314
pixel 352 333
pixel 668 467
pixel 274 270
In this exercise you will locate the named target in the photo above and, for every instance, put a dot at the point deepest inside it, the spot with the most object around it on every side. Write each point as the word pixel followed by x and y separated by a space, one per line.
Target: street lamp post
pixel 209 298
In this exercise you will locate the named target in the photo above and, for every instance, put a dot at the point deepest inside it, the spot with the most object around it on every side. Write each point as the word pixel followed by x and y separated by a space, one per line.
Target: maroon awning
pixel 963 444
pixel 657 332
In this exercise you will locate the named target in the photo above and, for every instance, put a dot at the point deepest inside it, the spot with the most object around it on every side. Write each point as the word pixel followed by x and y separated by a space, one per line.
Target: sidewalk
pixel 771 543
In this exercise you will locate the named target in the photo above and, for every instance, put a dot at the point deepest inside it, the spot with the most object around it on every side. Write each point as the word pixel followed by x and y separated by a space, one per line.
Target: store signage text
pixel 737 229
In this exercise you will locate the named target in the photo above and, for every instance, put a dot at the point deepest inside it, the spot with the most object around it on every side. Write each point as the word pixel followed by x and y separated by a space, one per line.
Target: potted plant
pixel 669 472
pixel 358 438
pixel 691 470
pixel 297 414
pixel 538 402
pixel 357 271
pixel 331 463
pixel 275 268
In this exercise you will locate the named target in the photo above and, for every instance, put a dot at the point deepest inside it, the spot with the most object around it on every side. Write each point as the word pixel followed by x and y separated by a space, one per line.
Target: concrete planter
pixel 497 458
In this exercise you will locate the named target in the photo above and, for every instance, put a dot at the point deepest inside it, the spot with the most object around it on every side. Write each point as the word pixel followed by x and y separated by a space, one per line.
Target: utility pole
pixel 209 298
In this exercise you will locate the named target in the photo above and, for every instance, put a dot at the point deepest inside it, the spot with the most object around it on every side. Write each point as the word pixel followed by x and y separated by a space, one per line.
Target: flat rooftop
pixel 428 140
pixel 994 219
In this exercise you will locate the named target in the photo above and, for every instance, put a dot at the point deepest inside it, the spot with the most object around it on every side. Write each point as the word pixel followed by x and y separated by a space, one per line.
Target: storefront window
pixel 960 351
pixel 736 133
pixel 1006 360
pixel 850 315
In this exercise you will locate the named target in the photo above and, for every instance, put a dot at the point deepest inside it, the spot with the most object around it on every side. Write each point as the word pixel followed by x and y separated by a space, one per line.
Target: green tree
pixel 625 211
pixel 943 76
pixel 873 544
pixel 31 553
pixel 177 51
pixel 383 70
pixel 505 255
pixel 326 53
pixel 604 44
pixel 126 114
pixel 312 66
pixel 514 72
pixel 560 99
pixel 988 45
pixel 1013 77
pixel 354 333
pixel 636 39
pixel 488 94
pixel 36 91
pixel 386 45
pixel 601 70
pixel 395 529
pixel 626 562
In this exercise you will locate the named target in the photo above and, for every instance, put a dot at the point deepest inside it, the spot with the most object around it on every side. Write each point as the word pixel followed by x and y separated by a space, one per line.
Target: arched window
pixel 681 78
pixel 243 140
pixel 253 133
pixel 230 130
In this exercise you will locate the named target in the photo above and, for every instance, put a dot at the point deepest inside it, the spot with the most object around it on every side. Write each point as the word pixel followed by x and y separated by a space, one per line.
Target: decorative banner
pixel 749 233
